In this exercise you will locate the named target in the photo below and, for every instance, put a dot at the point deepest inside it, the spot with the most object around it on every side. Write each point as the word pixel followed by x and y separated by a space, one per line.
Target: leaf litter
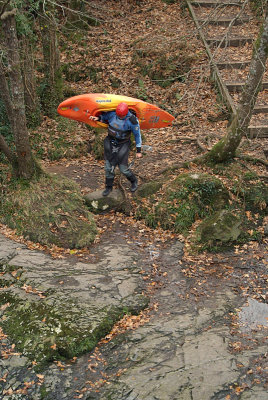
pixel 112 43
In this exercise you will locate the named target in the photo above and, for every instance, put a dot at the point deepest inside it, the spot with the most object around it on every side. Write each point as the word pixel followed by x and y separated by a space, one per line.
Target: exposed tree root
pixel 254 160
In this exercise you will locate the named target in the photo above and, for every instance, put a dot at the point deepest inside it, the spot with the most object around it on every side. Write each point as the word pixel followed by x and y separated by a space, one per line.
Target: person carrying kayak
pixel 121 123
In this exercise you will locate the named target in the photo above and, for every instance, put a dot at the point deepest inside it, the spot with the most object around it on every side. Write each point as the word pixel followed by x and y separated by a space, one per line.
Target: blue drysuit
pixel 117 143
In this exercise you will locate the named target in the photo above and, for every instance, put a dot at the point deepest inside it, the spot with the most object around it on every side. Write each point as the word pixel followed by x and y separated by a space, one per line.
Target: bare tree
pixel 226 148
pixel 12 93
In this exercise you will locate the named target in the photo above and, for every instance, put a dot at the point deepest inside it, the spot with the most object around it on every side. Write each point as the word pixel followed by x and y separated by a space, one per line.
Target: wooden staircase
pixel 224 25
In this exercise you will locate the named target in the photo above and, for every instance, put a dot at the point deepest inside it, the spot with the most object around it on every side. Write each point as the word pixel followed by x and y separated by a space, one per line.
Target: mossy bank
pixel 182 200
pixel 224 207
pixel 50 211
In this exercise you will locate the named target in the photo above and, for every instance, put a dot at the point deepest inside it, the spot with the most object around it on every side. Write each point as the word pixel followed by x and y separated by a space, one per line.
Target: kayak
pixel 81 107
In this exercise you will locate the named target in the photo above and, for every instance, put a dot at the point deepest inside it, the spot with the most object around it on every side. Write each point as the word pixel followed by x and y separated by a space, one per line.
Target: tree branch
pixel 8 14
pixel 3 5
pixel 253 159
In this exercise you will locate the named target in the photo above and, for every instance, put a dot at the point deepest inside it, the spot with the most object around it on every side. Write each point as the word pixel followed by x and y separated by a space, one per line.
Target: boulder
pixel 223 226
pixel 99 204
pixel 148 189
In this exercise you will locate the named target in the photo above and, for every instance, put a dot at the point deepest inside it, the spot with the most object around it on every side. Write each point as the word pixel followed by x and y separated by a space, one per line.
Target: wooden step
pixel 230 42
pixel 238 86
pixel 260 131
pixel 233 64
pixel 261 109
pixel 213 3
pixel 224 21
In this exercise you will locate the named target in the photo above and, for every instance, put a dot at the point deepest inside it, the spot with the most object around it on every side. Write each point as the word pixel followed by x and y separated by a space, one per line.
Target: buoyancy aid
pixel 120 129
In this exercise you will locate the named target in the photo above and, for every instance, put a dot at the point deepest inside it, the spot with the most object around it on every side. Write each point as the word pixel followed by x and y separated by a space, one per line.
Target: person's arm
pixel 103 117
pixel 135 127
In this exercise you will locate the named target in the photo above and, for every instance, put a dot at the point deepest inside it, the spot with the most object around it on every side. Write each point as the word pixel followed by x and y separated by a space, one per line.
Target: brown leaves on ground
pixel 126 323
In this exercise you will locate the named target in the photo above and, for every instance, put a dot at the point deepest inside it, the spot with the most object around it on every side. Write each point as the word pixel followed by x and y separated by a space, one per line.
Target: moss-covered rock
pixel 57 309
pixel 99 204
pixel 182 201
pixel 48 211
pixel 45 331
pixel 148 189
pixel 222 227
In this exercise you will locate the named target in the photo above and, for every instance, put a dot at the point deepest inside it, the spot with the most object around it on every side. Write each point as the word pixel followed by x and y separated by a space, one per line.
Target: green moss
pixel 258 6
pixel 57 328
pixel 248 176
pixel 188 197
pixel 252 192
pixel 74 72
pixel 48 211
pixel 45 394
pixel 141 92
pixel 192 197
pixel 46 332
pixel 223 226
pixel 5 282
pixel 115 82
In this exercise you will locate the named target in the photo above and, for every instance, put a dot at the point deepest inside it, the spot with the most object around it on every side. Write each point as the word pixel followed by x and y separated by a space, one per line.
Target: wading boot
pixel 134 183
pixel 108 186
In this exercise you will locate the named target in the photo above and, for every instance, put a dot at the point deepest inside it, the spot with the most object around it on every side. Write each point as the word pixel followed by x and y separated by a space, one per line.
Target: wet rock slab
pixel 253 315
pixel 54 308
pixel 183 356
pixel 182 353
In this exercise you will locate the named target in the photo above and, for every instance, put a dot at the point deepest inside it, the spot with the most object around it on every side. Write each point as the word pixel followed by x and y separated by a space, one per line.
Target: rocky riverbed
pixel 193 341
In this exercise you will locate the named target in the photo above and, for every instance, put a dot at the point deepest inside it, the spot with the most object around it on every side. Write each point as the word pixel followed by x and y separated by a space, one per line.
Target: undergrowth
pixel 182 201
pixel 58 139
pixel 216 212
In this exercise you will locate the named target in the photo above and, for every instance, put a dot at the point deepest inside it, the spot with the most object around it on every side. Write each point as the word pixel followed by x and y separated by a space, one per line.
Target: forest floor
pixel 204 333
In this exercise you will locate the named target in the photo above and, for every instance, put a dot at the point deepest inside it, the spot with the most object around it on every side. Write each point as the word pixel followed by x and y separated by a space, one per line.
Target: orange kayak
pixel 81 107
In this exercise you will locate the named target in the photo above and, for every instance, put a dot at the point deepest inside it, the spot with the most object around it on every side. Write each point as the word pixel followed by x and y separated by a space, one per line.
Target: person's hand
pixel 94 118
pixel 139 155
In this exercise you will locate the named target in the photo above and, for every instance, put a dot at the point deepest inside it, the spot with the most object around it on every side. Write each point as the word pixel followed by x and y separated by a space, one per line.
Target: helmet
pixel 121 110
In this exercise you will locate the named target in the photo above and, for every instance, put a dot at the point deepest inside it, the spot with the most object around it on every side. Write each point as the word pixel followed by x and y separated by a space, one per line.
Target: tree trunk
pixel 52 95
pixel 8 153
pixel 31 99
pixel 13 97
pixel 226 148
